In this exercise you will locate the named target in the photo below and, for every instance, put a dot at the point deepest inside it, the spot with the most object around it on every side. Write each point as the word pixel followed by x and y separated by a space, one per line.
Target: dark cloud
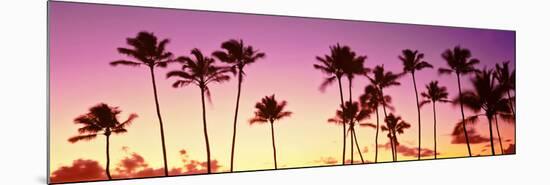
pixel 511 149
pixel 473 136
pixel 81 170
pixel 410 151
pixel 328 160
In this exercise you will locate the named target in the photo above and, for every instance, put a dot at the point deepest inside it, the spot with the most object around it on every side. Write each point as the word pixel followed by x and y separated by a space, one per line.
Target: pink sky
pixel 84 38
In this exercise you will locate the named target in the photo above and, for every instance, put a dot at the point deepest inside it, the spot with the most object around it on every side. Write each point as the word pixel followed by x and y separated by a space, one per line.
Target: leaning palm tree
pixel 269 110
pixel 460 61
pixel 238 56
pixel 394 125
pixel 147 50
pixel 414 61
pixel 434 94
pixel 486 96
pixel 382 79
pixel 332 66
pixel 101 120
pixel 355 114
pixel 371 100
pixel 200 71
pixel 507 78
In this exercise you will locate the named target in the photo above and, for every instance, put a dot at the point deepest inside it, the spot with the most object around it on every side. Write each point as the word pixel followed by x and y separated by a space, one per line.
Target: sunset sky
pixel 84 38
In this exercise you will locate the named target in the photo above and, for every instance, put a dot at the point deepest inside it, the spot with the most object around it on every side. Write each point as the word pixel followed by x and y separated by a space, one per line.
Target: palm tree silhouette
pixel 394 125
pixel 507 79
pixel 269 110
pixel 434 94
pixel 101 120
pixel 487 96
pixel 238 56
pixel 332 66
pixel 372 99
pixel 460 62
pixel 383 79
pixel 200 71
pixel 414 61
pixel 147 50
pixel 351 111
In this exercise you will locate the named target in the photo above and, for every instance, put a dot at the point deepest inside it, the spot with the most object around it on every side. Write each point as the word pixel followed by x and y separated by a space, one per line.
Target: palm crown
pixel 237 54
pixel 269 110
pixel 331 65
pixel 147 50
pixel 350 111
pixel 486 95
pixel 101 119
pixel 383 79
pixel 505 76
pixel 395 125
pixel 459 61
pixel 435 93
pixel 413 61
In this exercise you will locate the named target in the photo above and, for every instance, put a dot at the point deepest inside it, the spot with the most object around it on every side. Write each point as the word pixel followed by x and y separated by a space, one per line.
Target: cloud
pixel 134 166
pixel 410 151
pixel 81 170
pixel 511 149
pixel 473 136
pixel 327 160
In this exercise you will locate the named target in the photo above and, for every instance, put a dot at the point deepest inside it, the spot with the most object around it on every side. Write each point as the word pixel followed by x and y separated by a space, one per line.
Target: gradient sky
pixel 84 38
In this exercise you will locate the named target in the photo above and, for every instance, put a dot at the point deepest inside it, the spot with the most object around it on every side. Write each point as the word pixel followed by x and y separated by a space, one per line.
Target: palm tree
pixel 372 99
pixel 507 79
pixel 412 62
pixel 460 62
pixel 147 50
pixel 238 56
pixel 200 71
pixel 384 79
pixel 435 93
pixel 394 125
pixel 269 110
pixel 351 111
pixel 333 67
pixel 101 120
pixel 487 96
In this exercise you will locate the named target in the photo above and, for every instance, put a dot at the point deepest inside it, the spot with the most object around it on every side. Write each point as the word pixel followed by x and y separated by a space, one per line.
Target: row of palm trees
pixel 488 94
pixel 202 70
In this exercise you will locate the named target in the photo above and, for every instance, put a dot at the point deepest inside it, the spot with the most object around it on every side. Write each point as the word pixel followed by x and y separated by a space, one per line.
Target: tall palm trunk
pixel 498 134
pixel 357 145
pixel 491 134
pixel 376 137
pixel 435 131
pixel 511 104
pixel 205 130
pixel 107 171
pixel 160 121
pixel 273 141
pixel 394 158
pixel 343 122
pixel 352 146
pixel 235 118
pixel 351 120
pixel 462 111
pixel 418 109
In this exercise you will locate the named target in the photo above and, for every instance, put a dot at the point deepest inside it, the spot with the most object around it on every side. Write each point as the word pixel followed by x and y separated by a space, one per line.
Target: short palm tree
pixel 147 50
pixel 435 93
pixel 101 120
pixel 200 71
pixel 486 96
pixel 382 79
pixel 413 61
pixel 507 78
pixel 269 111
pixel 371 100
pixel 238 56
pixel 333 67
pixel 394 125
pixel 460 62
pixel 354 113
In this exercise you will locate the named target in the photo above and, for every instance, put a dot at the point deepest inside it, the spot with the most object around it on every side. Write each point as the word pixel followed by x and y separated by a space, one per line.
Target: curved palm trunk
pixel 418 109
pixel 390 131
pixel 435 132
pixel 344 122
pixel 357 145
pixel 491 134
pixel 498 134
pixel 205 131
pixel 235 119
pixel 107 171
pixel 511 104
pixel 273 141
pixel 160 121
pixel 462 111
pixel 376 137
